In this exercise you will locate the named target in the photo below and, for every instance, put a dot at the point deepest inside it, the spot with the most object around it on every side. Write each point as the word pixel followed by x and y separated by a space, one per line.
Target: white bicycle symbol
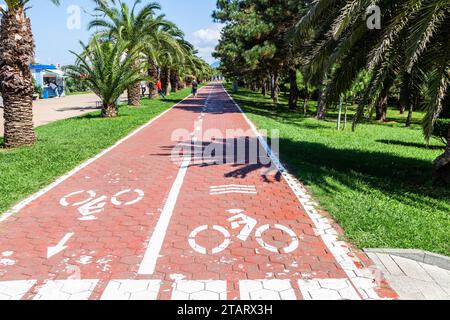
pixel 93 204
pixel 237 220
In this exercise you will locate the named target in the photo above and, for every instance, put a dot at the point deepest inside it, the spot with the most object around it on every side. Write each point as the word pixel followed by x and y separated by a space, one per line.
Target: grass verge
pixel 64 144
pixel 375 182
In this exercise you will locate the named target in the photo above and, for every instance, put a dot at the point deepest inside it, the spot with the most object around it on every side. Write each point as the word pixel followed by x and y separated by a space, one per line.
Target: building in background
pixel 50 78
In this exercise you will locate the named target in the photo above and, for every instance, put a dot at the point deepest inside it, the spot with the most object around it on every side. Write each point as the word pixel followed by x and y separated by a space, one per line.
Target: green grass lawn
pixel 64 144
pixel 375 182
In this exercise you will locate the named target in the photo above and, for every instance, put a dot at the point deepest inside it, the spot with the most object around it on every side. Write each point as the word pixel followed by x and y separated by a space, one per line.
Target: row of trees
pixel 130 45
pixel 345 49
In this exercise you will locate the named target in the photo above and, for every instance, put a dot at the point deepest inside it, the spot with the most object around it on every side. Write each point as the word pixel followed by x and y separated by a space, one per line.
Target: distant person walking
pixel 194 88
pixel 55 89
pixel 159 88
pixel 143 88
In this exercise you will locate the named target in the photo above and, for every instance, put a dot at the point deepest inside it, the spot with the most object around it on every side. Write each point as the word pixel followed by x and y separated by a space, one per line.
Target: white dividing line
pixel 362 280
pixel 148 263
pixel 63 178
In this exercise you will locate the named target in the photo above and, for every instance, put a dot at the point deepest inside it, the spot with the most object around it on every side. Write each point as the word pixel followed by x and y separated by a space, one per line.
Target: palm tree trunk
pixel 381 109
pixel 442 163
pixel 153 74
pixel 165 80
pixel 16 82
pixel 293 95
pixel 321 106
pixel 264 87
pixel 109 111
pixel 134 95
pixel 382 106
pixel 274 88
pixel 305 106
pixel 174 79
pixel 134 92
pixel 306 100
pixel 405 92
pixel 412 106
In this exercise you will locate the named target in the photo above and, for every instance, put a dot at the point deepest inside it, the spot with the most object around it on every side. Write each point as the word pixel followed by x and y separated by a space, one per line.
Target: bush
pixel 441 129
pixel 37 88
pixel 75 85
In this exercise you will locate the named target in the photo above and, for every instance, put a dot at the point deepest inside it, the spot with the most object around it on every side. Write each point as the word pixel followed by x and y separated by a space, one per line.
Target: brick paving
pixel 142 222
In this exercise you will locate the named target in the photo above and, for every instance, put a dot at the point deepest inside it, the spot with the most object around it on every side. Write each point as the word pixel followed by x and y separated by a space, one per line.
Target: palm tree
pixel 163 52
pixel 136 28
pixel 16 82
pixel 414 40
pixel 108 68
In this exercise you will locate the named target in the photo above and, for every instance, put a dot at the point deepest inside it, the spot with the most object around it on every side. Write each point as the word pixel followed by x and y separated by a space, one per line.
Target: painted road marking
pixel 148 264
pixel 132 290
pixel 53 251
pixel 89 209
pixel 148 290
pixel 66 290
pixel 60 180
pixel 199 290
pixel 232 188
pixel 15 290
pixel 291 248
pixel 249 225
pixel 202 250
pixel 92 205
pixel 328 289
pixel 347 260
pixel 116 202
pixel 266 290
pixel 237 220
pixel 65 203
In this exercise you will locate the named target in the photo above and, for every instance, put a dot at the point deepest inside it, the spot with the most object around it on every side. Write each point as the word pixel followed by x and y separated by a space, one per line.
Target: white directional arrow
pixel 53 251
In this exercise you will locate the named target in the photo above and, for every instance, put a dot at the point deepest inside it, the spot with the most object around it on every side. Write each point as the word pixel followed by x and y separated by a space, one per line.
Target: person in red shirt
pixel 159 88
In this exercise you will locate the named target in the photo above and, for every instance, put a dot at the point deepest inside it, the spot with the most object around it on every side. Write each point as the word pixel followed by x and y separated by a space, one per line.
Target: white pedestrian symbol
pixel 249 224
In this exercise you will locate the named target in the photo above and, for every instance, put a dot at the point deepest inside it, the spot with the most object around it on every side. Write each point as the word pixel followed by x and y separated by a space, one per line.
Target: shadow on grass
pixel 411 144
pixel 401 178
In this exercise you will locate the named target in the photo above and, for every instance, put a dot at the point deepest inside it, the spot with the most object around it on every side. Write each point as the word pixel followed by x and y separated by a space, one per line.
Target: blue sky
pixel 54 39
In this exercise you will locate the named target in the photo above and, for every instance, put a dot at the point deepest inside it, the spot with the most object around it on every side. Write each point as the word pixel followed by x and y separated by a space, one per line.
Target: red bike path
pixel 160 216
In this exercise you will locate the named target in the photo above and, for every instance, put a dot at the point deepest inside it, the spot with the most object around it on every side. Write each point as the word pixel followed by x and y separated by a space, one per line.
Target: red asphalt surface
pixel 109 239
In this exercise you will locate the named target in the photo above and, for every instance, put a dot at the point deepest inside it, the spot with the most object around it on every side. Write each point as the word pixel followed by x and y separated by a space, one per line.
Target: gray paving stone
pixel 439 275
pixel 390 264
pixel 412 269
pixel 413 280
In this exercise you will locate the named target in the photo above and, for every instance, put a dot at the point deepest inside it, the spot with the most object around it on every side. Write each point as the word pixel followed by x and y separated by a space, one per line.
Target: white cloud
pixel 207 36
pixel 206 54
pixel 205 41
